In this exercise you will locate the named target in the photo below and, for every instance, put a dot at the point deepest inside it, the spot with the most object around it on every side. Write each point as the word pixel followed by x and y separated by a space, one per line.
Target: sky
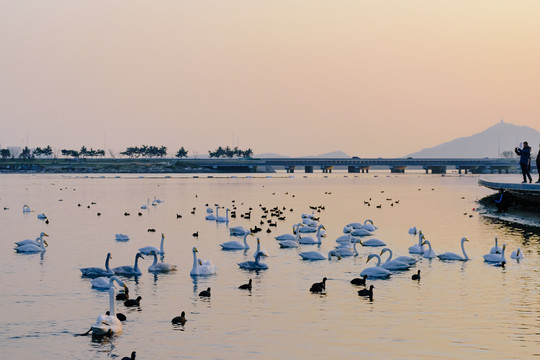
pixel 295 77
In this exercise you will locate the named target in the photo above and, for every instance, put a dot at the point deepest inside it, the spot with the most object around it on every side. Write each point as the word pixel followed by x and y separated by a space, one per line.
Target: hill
pixel 491 143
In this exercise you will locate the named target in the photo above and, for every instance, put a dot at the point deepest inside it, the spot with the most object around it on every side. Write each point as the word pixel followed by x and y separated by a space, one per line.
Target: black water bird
pixel 196 234
pixel 178 216
pixel 367 292
pixel 416 276
pixel 359 281
pixel 130 358
pixel 319 287
pixel 205 293
pixel 246 286
pixel 133 302
pixel 151 230
pixel 140 214
pixel 98 214
pixel 180 320
pixel 119 316
pixel 123 296
pixel 126 214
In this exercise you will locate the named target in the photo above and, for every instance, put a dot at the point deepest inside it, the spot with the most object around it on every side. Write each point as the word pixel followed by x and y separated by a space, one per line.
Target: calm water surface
pixel 458 310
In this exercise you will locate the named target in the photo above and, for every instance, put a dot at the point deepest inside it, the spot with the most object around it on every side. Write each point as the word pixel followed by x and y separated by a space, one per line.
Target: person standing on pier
pixel 525 161
pixel 538 165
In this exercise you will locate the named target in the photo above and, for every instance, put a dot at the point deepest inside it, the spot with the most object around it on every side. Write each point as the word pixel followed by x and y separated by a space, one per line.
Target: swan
pixel 147 250
pixel 145 206
pixel 290 243
pixel 254 265
pixel 223 219
pixel 102 282
pixel 310 240
pixel 346 251
pixel 36 242
pixel 96 271
pixel 160 267
pixel 517 254
pixel 429 253
pixel 355 225
pixel 33 248
pixel 109 324
pixel 377 271
pixel 212 216
pixel 413 230
pixel 127 270
pixel 496 258
pixel 258 250
pixel 372 242
pixel 345 239
pixel 289 236
pixel 418 248
pixel 42 216
pixel 368 225
pixel 394 265
pixel 121 237
pixel 199 268
pixel 238 231
pixel 453 256
pixel 235 244
pixel 307 229
pixel 315 255
pixel 361 232
pixel 495 249
pixel 209 210
pixel 405 259
pixel 347 229
pixel 26 209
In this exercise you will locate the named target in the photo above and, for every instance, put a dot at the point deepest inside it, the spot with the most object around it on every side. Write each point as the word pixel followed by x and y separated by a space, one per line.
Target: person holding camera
pixel 525 161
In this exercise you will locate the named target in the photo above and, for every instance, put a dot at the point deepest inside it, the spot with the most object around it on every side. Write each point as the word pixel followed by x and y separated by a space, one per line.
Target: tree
pixel 26 153
pixel 72 153
pixel 83 152
pixel 181 153
pixel 47 151
pixel 5 153
pixel 508 154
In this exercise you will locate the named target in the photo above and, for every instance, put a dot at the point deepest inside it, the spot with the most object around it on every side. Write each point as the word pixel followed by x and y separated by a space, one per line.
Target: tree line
pixel 143 151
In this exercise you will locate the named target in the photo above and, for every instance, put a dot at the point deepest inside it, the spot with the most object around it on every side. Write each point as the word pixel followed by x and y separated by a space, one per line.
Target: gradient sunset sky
pixel 370 78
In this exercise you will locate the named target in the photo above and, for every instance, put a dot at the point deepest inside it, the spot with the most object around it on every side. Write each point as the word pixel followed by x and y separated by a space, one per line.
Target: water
pixel 457 310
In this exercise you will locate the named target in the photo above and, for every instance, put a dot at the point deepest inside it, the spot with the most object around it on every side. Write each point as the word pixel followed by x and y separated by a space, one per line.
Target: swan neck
pixel 155 260
pixel 107 263
pixel 378 259
pixel 111 301
pixel 195 264
pixel 463 249
pixel 136 266
pixel 246 246
pixel 390 257
pixel 161 246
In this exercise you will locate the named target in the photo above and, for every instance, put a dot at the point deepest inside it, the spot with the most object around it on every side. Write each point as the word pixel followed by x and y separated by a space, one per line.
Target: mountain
pixel 334 154
pixel 491 143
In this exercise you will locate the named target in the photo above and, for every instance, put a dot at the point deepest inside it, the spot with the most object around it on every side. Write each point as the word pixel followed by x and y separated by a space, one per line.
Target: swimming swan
pixel 289 236
pixel 453 256
pixel 96 271
pixel 36 242
pixel 394 265
pixel 372 242
pixel 147 250
pixel 315 255
pixel 375 272
pixel 517 254
pixel 109 324
pixel 496 258
pixel 235 244
pixel 199 268
pixel 254 265
pixel 429 253
pixel 127 270
pixel 405 259
pixel 418 248
pixel 160 267
pixel 311 241
pixel 33 248
pixel 223 219
pixel 495 249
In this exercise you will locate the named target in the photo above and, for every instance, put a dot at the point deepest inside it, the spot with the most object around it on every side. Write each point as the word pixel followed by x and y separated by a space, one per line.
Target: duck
pixel 254 265
pixel 429 253
pixel 418 248
pixel 319 287
pixel 147 250
pixel 133 302
pixel 496 258
pixel 33 248
pixel 205 293
pixel 109 324
pixel 495 249
pixel 367 292
pixel 309 240
pixel 127 270
pixel 235 244
pixel 375 272
pixel 315 255
pixel 372 242
pixel 96 271
pixel 36 242
pixel 517 254
pixel 246 286
pixel 359 281
pixel 450 256
pixel 199 268
pixel 179 320
pixel 161 267
pixel 416 276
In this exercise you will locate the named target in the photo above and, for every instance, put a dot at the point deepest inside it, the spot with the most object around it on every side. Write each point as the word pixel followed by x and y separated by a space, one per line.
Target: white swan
pixel 41 216
pixel 254 265
pixel 375 272
pixel 394 265
pixel 495 249
pixel 223 219
pixel 315 255
pixel 127 270
pixel 212 216
pixel 199 268
pixel 36 242
pixel 413 230
pixel 307 229
pixel 147 250
pixel 347 229
pixel 289 236
pixel 418 248
pixel 355 225
pixel 311 241
pixel 453 256
pixel 404 259
pixel 496 258
pixel 517 254
pixel 160 267
pixel 344 241
pixel 347 251
pixel 145 206
pixel 33 248
pixel 26 209
pixel 429 253
pixel 109 324
pixel 235 244
pixel 372 242
pixel 369 226
pixel 238 231
pixel 290 243
pixel 96 271
pixel 121 237
pixel 361 232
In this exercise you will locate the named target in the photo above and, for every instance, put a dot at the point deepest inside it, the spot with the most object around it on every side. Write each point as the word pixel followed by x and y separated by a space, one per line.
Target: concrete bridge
pixel 363 165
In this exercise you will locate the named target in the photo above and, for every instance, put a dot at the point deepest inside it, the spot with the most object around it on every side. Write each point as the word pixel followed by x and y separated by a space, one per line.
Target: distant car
pixel 355 157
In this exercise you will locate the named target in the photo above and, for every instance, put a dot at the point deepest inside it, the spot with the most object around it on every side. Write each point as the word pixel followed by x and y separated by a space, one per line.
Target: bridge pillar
pixel 436 169
pixel 354 169
pixel 398 169
pixel 326 168
pixel 309 169
pixel 290 169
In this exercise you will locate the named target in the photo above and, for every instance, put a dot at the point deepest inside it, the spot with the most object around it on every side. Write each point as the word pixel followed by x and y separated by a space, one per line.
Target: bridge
pixel 361 165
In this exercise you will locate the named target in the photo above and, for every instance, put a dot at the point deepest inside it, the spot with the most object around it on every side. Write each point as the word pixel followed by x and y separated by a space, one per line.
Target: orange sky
pixel 370 78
